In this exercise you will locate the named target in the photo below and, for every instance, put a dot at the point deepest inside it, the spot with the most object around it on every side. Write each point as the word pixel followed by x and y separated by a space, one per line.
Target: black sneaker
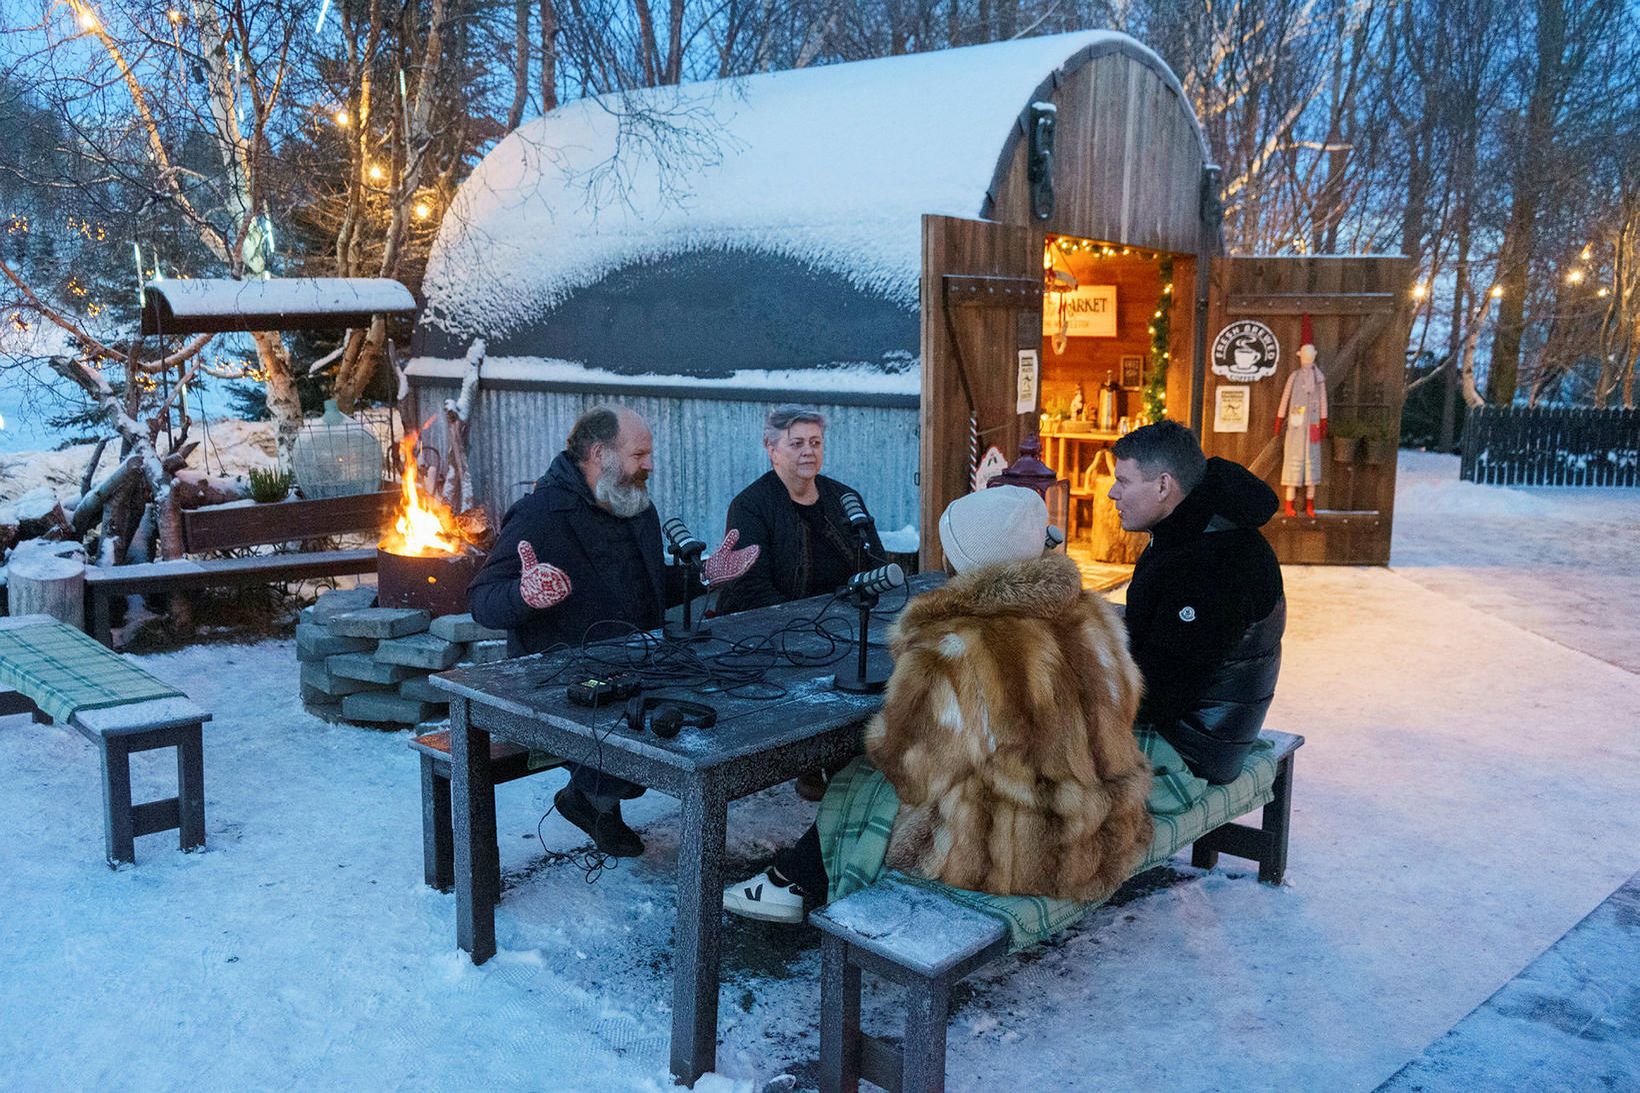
pixel 609 832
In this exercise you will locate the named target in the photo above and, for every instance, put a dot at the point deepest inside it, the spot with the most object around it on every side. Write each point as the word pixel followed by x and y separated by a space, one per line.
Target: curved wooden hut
pixel 871 238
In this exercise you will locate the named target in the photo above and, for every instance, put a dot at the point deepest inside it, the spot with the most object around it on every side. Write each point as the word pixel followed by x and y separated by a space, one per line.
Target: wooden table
pixel 755 744
pixel 1057 443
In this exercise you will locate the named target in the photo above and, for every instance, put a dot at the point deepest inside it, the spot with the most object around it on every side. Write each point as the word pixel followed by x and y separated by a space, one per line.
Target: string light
pixel 175 16
pixel 422 210
pixel 1497 292
pixel 376 173
pixel 1586 253
pixel 1420 291
pixel 87 19
pixel 1603 293
pixel 1574 277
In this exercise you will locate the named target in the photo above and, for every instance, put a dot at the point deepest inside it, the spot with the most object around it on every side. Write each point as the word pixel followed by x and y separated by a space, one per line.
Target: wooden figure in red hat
pixel 1303 418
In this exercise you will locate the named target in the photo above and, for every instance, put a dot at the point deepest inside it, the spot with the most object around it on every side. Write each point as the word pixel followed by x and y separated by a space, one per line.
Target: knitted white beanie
pixel 1000 524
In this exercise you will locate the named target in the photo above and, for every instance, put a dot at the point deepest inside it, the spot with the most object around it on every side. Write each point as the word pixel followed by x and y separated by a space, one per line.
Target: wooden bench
pixel 925 942
pixel 118 731
pixel 508 763
pixel 224 527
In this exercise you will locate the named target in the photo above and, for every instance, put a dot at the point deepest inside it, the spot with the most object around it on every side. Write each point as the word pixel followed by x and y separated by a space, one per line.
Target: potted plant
pixel 1346 438
pixel 1379 439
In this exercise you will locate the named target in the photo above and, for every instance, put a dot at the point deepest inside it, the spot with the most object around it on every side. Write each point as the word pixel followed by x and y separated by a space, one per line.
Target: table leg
pixel 472 803
pixel 696 954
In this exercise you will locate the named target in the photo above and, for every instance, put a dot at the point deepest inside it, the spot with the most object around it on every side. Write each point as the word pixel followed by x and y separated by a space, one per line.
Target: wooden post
pixel 42 584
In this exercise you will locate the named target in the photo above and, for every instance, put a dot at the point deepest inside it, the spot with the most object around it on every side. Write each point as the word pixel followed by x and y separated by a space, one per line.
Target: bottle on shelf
pixel 1109 392
pixel 1077 403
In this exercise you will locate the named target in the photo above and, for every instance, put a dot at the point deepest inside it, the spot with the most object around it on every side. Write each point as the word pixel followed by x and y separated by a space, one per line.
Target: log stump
pixel 41 584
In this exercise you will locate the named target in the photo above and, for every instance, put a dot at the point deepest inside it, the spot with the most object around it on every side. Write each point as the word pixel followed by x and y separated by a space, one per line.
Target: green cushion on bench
pixel 65 671
pixel 858 812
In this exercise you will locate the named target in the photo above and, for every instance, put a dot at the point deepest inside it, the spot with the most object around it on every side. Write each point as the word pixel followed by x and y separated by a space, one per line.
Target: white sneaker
pixel 763 899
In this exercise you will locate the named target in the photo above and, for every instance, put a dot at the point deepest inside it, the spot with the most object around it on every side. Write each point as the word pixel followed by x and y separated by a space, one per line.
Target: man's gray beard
pixel 624 499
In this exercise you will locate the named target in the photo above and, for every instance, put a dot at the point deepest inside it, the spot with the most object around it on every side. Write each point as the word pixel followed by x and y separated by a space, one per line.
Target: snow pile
pixel 831 166
pixel 1428 483
pixel 231 448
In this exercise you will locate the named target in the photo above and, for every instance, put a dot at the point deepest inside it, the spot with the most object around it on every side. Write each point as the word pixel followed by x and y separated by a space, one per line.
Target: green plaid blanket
pixel 857 817
pixel 65 671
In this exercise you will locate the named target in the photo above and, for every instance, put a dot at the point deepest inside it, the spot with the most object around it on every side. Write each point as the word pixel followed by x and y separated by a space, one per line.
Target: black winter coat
pixel 765 515
pixel 603 555
pixel 1205 615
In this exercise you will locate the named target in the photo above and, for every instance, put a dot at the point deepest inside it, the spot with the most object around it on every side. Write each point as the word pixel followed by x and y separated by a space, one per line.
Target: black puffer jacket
pixel 764 514
pixel 615 567
pixel 1205 615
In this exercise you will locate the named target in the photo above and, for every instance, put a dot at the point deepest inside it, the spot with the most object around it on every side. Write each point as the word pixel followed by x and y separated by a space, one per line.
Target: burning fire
pixel 425 526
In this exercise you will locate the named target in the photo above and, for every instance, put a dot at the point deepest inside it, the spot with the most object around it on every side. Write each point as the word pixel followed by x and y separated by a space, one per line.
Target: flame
pixel 424 527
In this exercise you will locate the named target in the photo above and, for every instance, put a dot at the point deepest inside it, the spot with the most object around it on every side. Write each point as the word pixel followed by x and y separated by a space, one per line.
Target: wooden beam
pixel 1018 293
pixel 1312 303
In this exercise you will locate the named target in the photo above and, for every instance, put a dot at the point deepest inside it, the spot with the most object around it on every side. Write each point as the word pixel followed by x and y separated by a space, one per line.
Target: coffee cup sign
pixel 1246 350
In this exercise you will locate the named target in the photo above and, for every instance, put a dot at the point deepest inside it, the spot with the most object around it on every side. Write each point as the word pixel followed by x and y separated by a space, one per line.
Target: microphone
pixel 1053 538
pixel 681 541
pixel 874 582
pixel 855 510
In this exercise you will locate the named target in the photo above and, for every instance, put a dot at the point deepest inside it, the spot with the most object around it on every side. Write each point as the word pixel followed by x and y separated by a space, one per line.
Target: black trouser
pixel 605 791
pixel 803 865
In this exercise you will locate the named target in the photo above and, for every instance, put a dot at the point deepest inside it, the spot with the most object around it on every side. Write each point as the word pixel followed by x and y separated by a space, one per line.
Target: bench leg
pixel 927 1013
pixel 191 786
pixel 839 1018
pixel 101 617
pixel 1278 815
pixel 1203 856
pixel 438 847
pixel 118 835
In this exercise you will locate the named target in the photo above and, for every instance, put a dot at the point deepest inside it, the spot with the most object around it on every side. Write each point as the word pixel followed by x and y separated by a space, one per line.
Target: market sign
pixel 1245 350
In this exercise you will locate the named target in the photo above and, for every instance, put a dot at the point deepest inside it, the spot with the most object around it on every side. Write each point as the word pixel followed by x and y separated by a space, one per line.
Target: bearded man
pixel 580 559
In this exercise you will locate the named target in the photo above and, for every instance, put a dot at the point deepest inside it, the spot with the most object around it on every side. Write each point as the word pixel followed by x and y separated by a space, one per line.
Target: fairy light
pixel 1497 292
pixel 175 16
pixel 1420 291
pixel 87 19
pixel 376 173
pixel 1574 277
pixel 1586 253
pixel 1604 292
pixel 342 119
pixel 422 210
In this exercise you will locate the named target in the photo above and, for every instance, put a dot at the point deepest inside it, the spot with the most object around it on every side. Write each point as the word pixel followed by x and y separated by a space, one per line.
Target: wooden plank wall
pixel 1361 314
pixel 989 338
pixel 1551 446
pixel 1127 160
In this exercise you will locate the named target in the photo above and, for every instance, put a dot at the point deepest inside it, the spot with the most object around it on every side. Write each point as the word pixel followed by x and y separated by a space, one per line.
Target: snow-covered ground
pixel 1464 798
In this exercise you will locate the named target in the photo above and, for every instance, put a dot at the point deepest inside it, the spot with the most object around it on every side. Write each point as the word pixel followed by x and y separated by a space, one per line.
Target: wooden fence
pixel 1517 446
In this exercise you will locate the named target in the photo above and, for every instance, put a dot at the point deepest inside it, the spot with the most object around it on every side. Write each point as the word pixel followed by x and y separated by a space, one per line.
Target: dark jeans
pixel 803 865
pixel 605 791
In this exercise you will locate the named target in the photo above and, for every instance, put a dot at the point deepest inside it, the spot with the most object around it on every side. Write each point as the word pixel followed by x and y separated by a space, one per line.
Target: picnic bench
pixel 61 675
pixel 508 763
pixel 926 937
pixel 225 527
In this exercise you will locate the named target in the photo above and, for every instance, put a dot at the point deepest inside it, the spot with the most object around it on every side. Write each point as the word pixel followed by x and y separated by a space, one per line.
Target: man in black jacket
pixel 796 515
pixel 579 559
pixel 1205 610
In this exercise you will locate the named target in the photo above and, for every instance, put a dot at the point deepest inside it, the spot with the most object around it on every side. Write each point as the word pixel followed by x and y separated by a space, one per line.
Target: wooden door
pixel 1361 313
pixel 981 304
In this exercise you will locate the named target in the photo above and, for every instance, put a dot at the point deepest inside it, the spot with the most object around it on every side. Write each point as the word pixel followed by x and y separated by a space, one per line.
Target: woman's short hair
pixel 784 417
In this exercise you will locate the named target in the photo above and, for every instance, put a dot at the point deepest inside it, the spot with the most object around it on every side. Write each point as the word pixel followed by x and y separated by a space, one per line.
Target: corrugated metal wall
pixel 706 450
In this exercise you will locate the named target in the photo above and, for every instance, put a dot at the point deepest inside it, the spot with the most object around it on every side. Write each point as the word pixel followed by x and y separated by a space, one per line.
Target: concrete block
pixel 384 706
pixel 319 678
pixel 316 642
pixel 380 622
pixel 339 601
pixel 462 628
pixel 363 666
pixel 486 652
pixel 426 651
pixel 421 689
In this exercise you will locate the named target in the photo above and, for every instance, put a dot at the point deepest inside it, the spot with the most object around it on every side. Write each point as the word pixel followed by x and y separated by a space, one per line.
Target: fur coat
pixel 1007 731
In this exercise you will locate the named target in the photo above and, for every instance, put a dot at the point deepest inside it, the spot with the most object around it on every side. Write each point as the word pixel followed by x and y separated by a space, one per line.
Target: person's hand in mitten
pixel 540 583
pixel 727 563
pixel 1280 421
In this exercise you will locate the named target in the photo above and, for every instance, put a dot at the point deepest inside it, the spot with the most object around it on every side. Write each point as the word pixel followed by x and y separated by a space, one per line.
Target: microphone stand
pixel 863 678
pixel 689 631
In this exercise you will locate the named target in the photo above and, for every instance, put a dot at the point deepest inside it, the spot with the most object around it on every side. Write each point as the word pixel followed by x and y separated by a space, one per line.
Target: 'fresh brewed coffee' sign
pixel 1245 350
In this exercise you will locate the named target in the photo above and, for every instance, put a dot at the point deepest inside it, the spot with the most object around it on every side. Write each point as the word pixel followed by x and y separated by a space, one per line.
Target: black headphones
pixel 669 716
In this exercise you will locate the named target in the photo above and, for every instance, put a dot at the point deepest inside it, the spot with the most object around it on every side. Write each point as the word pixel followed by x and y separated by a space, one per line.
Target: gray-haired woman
pixel 795 514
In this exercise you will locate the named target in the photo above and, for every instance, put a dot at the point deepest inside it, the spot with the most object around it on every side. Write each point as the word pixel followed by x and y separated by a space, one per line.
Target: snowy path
pixel 1464 799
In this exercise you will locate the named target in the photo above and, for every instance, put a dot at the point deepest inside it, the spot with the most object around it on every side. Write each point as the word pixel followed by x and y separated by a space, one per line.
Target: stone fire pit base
pixel 369 665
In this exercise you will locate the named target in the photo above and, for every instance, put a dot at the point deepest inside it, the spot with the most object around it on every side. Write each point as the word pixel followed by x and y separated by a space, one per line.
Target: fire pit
pixel 428 558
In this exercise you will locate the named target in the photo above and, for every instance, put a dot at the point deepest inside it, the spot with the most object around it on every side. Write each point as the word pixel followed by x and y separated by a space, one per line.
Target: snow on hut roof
pixel 210 305
pixel 831 166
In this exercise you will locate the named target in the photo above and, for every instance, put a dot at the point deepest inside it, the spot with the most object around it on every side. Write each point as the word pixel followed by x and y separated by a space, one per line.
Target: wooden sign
pixel 1089 312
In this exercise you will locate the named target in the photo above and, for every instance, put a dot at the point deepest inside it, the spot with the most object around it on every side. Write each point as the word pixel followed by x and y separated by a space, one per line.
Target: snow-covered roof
pixel 208 305
pixel 832 166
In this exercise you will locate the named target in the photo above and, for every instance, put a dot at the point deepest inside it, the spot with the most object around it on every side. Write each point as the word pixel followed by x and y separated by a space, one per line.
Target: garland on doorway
pixel 1155 390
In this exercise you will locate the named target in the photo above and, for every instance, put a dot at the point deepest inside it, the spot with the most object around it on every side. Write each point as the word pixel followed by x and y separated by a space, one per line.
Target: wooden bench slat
pixel 914 928
pixel 134 717
pixel 187 573
pixel 218 527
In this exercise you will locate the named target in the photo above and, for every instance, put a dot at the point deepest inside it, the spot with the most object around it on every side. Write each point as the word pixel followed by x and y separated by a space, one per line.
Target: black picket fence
pixel 1517 446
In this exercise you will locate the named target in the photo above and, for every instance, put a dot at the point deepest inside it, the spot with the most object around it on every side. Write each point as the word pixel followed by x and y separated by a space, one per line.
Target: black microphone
pixel 874 582
pixel 1053 537
pixel 681 541
pixel 855 510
